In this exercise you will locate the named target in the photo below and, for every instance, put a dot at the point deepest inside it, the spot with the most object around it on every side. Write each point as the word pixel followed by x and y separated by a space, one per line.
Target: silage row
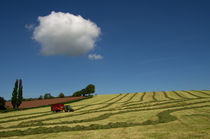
pixel 145 123
pixel 147 95
pixel 174 106
pixel 125 98
pixel 40 111
pixel 52 115
pixel 113 106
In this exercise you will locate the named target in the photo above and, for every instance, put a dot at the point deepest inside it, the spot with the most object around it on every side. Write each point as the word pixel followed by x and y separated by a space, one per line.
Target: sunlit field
pixel 172 114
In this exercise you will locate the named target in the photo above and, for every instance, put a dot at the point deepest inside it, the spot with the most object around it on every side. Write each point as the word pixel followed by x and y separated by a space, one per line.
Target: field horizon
pixel 163 114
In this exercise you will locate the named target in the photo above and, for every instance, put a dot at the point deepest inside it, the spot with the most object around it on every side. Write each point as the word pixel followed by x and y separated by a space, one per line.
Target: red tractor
pixel 61 107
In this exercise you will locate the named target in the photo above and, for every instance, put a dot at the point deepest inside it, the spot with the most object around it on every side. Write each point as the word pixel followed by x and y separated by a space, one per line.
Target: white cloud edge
pixel 80 40
pixel 95 57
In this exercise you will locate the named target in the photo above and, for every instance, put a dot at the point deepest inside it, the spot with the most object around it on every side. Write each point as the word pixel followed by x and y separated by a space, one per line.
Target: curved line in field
pixel 192 94
pixel 98 110
pixel 182 97
pixel 104 116
pixel 129 100
pixel 163 117
pixel 25 118
pixel 98 103
pixel 109 104
pixel 31 117
pixel 153 96
pixel 166 96
pixel 23 115
pixel 204 93
pixel 142 97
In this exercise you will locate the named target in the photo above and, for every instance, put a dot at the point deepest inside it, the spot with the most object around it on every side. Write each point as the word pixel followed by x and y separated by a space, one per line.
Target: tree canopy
pixel 61 95
pixel 88 90
pixel 47 96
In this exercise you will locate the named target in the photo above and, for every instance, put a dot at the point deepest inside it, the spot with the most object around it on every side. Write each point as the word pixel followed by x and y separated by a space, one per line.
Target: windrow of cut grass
pixel 203 92
pixel 153 97
pixel 106 105
pixel 166 96
pixel 136 106
pixel 180 95
pixel 33 111
pixel 142 96
pixel 102 100
pixel 148 97
pixel 130 99
pixel 29 118
pixel 161 96
pixel 94 104
pixel 187 95
pixel 52 116
pixel 20 115
pixel 110 112
pixel 163 117
pixel 107 115
pixel 192 94
pixel 25 116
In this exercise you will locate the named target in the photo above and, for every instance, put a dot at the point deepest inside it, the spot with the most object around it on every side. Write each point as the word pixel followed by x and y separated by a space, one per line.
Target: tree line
pixel 17 95
pixel 88 90
pixel 49 96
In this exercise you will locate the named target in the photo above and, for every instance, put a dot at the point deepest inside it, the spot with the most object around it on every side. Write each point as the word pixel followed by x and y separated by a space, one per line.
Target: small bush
pixel 48 96
pixel 61 95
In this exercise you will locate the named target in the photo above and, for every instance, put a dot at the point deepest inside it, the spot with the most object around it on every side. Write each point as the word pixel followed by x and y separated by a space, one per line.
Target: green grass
pixel 175 114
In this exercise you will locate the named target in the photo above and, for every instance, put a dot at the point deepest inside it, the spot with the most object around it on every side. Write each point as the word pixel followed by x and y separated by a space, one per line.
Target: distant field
pixel 172 114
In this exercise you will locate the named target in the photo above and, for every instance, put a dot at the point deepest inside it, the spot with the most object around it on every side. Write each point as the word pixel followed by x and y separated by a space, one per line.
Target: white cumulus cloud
pixel 95 57
pixel 65 34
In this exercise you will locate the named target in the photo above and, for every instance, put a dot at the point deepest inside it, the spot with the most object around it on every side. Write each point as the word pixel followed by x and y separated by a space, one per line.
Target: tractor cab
pixel 67 108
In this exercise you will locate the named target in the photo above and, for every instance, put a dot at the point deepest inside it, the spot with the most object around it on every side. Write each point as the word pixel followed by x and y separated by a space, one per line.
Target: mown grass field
pixel 172 114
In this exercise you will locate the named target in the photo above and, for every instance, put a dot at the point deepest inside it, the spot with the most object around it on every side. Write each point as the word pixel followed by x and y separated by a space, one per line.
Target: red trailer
pixel 57 107
pixel 60 107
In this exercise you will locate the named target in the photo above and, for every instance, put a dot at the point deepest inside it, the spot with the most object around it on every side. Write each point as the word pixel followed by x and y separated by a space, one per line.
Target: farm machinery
pixel 61 108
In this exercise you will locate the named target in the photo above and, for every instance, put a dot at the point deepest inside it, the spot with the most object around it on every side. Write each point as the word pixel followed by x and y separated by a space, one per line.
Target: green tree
pixel 14 95
pixel 20 94
pixel 2 103
pixel 77 93
pixel 90 89
pixel 61 95
pixel 48 96
pixel 83 92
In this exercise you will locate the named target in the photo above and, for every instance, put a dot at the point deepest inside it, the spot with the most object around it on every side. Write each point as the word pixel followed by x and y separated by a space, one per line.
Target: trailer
pixel 61 107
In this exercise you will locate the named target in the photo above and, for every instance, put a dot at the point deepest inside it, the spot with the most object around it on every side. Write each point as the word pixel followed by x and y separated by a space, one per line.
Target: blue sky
pixel 146 46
